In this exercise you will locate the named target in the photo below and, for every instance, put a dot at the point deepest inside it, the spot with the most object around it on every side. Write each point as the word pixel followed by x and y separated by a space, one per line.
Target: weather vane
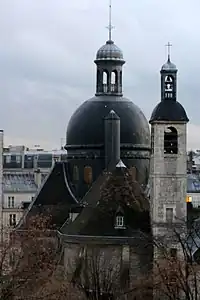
pixel 168 49
pixel 110 27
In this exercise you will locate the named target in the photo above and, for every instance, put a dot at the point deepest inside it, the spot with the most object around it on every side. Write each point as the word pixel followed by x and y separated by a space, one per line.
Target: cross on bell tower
pixel 168 78
pixel 168 50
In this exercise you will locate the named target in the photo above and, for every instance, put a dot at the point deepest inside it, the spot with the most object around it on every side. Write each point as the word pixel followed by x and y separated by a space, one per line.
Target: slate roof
pixel 193 240
pixel 91 199
pixel 54 197
pixel 98 216
pixel 19 182
pixel 193 183
pixel 109 51
pixel 169 110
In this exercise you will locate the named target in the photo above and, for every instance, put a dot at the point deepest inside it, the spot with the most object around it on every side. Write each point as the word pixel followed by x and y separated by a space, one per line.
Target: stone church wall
pixel 124 265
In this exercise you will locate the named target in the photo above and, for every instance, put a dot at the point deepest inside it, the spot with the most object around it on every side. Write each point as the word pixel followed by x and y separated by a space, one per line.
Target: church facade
pixel 120 184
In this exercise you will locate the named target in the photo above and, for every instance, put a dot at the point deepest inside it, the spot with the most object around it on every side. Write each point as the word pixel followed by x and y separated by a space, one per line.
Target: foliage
pixel 120 188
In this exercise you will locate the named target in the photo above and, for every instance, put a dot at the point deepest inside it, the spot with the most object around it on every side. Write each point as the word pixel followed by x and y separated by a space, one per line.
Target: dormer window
pixel 119 221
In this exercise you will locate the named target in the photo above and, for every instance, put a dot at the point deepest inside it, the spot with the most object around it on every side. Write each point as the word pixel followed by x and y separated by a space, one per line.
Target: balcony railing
pixel 106 88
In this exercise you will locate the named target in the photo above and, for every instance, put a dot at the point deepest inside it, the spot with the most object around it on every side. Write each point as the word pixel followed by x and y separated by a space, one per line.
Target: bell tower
pixel 109 61
pixel 168 157
pixel 168 79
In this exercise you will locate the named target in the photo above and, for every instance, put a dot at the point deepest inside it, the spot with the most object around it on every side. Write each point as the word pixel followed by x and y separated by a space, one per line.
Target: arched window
pixel 114 81
pixel 133 173
pixel 88 174
pixel 75 173
pixel 169 86
pixel 105 81
pixel 105 77
pixel 114 77
pixel 171 141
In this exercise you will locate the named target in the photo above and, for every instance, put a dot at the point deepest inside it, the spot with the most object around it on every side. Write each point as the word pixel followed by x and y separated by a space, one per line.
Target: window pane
pixel 8 159
pixel 173 252
pixel 119 221
pixel 13 203
pixel 12 219
pixel 88 175
pixel 169 214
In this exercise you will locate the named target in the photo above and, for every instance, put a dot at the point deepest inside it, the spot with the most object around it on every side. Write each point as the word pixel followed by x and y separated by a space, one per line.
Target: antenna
pixel 61 143
pixel 110 27
pixel 168 49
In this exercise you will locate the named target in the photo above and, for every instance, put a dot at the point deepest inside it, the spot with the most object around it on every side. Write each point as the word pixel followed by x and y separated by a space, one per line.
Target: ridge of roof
pixel 91 199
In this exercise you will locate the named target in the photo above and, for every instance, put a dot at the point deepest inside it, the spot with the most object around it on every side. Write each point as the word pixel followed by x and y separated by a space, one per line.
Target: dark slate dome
pixel 109 51
pixel 86 126
pixel 86 138
pixel 169 110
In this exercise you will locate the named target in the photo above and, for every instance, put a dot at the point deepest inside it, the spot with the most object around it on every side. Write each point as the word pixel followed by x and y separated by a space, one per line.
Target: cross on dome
pixel 110 27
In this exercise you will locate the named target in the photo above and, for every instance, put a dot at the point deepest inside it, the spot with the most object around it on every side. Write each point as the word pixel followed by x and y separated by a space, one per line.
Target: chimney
pixel 190 161
pixel 112 139
pixel 38 177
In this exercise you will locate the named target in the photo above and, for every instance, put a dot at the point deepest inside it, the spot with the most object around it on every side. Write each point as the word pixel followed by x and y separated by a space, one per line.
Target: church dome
pixel 86 126
pixel 109 51
pixel 86 137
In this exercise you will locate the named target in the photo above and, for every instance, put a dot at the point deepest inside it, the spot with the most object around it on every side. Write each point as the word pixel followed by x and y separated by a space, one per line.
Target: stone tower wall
pixel 168 174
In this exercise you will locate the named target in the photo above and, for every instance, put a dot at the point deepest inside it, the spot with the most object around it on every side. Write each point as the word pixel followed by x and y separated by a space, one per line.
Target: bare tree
pixel 176 272
pixel 97 274
pixel 30 263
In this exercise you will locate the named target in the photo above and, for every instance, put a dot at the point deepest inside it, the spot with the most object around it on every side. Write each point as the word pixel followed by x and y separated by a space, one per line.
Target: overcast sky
pixel 47 48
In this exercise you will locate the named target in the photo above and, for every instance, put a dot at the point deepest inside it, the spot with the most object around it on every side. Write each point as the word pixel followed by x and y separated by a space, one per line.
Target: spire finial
pixel 110 27
pixel 168 50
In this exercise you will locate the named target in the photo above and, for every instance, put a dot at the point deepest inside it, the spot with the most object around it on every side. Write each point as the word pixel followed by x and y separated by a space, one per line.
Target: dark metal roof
pixel 169 110
pixel 54 197
pixel 109 51
pixel 86 126
pixel 97 217
pixel 193 183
